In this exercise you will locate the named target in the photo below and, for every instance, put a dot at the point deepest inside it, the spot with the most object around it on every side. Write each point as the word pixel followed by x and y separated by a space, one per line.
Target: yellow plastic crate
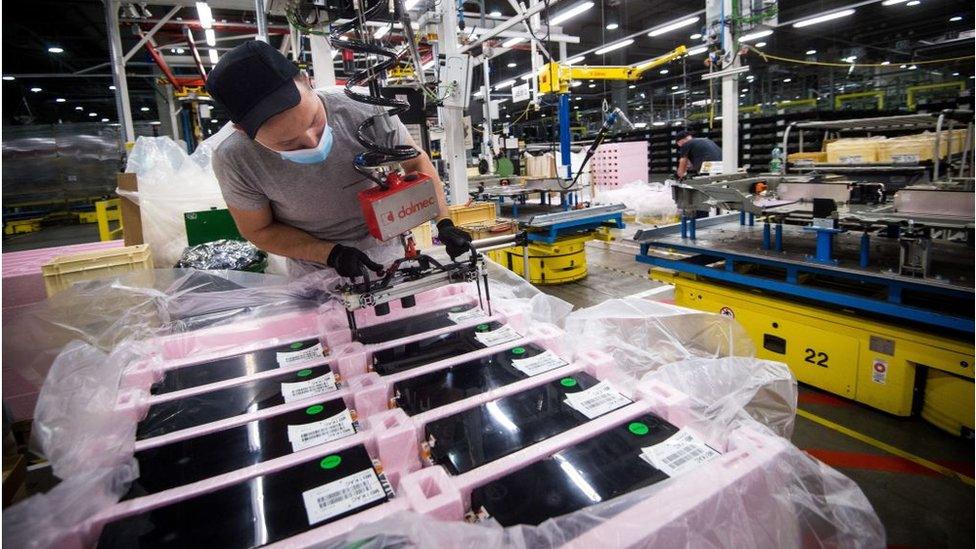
pixel 63 271
pixel 818 157
pixel 476 213
pixel 423 235
pixel 853 151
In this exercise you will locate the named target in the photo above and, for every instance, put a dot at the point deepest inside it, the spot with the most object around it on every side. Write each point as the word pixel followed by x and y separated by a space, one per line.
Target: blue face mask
pixel 315 155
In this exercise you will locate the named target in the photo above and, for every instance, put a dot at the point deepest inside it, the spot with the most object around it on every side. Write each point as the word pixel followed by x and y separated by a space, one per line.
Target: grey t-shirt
pixel 319 199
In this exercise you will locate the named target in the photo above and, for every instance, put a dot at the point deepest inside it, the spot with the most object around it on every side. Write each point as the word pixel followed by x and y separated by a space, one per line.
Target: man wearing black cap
pixel 287 174
pixel 692 151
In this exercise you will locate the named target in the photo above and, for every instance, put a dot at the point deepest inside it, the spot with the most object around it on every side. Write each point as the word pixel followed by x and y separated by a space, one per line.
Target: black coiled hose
pixel 375 154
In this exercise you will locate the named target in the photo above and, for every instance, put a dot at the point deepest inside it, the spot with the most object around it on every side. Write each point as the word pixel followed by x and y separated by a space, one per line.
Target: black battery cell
pixel 413 325
pixel 472 438
pixel 240 365
pixel 598 469
pixel 410 355
pixel 461 381
pixel 251 396
pixel 194 459
pixel 260 510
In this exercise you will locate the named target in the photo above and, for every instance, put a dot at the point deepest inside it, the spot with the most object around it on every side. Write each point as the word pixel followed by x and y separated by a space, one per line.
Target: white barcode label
pixel 320 432
pixel 852 159
pixel 464 316
pixel 496 337
pixel 292 358
pixel 305 389
pixel 340 496
pixel 904 159
pixel 538 364
pixel 680 453
pixel 597 400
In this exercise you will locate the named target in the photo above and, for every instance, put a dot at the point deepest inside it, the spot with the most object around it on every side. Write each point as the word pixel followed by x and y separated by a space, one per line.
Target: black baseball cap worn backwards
pixel 254 82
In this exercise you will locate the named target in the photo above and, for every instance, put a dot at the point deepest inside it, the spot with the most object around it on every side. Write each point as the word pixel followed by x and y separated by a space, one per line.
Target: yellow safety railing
pixel 105 212
pixel 796 103
pixel 845 97
pixel 913 90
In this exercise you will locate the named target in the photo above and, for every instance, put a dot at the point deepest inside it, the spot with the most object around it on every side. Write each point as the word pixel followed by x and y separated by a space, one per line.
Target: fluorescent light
pixel 92 114
pixel 510 65
pixel 658 123
pixel 679 92
pixel 204 15
pixel 144 109
pixel 697 50
pixel 570 13
pixel 381 32
pixel 632 86
pixel 612 26
pixel 886 62
pixel 903 66
pixel 640 124
pixel 912 67
pixel 822 18
pixel 512 41
pixel 674 87
pixel 179 51
pixel 505 84
pixel 893 2
pixel 105 120
pixel 850 59
pixel 112 87
pixel 495 13
pixel 664 71
pixel 79 108
pixel 955 18
pixel 36 90
pixel 575 84
pixel 55 49
pixel 60 100
pixel 591 86
pixel 8 78
pixel 913 3
pixel 213 56
pixel 696 36
pixel 760 44
pixel 754 35
pixel 211 37
pixel 409 4
pixel 674 26
pixel 787 80
pixel 527 76
pixel 612 47
pixel 574 60
pixel 811 52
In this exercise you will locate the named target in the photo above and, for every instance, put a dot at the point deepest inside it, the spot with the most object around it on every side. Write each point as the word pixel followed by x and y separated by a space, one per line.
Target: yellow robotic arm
pixel 555 78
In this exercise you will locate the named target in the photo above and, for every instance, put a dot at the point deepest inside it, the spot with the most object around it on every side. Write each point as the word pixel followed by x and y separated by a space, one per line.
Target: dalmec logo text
pixel 412 208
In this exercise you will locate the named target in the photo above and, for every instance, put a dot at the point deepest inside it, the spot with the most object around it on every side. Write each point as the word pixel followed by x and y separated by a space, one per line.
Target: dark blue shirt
pixel 699 150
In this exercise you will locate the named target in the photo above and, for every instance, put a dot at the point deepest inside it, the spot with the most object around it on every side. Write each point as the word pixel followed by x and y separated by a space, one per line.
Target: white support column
pixel 536 58
pixel 486 152
pixel 452 144
pixel 322 65
pixel 730 102
pixel 122 106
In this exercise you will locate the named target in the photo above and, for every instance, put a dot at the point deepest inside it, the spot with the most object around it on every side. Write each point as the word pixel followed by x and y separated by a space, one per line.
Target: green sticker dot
pixel 482 328
pixel 296 345
pixel 638 428
pixel 457 309
pixel 304 373
pixel 567 382
pixel 518 351
pixel 330 462
pixel 312 410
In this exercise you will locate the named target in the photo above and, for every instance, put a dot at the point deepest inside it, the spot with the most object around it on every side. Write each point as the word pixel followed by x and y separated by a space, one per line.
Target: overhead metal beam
pixel 146 37
pixel 122 106
pixel 495 31
pixel 262 21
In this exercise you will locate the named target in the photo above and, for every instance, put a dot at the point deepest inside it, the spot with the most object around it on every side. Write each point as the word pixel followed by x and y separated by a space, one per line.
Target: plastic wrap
pixel 648 202
pixel 221 254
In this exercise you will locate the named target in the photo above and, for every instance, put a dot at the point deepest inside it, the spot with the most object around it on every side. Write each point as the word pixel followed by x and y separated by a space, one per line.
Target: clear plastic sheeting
pixel 221 254
pixel 649 202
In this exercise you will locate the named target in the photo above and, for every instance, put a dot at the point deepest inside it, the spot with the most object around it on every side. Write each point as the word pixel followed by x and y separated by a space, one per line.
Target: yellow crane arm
pixel 555 77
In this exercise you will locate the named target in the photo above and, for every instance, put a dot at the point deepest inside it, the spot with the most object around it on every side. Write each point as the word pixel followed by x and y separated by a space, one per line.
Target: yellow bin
pixel 948 402
pixel 558 263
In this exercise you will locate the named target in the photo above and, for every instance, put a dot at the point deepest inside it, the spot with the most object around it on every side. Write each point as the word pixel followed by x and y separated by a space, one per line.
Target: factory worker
pixel 287 174
pixel 693 151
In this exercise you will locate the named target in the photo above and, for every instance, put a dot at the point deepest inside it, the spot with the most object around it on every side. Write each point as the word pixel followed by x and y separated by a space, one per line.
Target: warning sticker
pixel 852 159
pixel 904 159
pixel 292 358
pixel 879 371
pixel 680 453
pixel 464 316
pixel 312 387
pixel 496 337
pixel 320 432
pixel 340 496
pixel 726 311
pixel 539 363
pixel 597 400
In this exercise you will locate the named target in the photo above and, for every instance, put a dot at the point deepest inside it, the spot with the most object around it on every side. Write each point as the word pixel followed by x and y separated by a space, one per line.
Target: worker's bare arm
pixel 682 167
pixel 260 228
pixel 422 164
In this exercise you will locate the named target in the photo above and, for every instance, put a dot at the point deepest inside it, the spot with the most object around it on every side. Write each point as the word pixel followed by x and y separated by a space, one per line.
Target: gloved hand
pixel 455 240
pixel 349 262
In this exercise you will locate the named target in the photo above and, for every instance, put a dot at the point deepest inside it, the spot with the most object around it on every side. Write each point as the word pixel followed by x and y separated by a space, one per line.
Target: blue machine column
pixel 766 235
pixel 865 249
pixel 564 134
pixel 779 237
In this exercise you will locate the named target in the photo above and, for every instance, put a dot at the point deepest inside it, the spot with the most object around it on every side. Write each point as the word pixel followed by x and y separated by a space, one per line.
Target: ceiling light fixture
pixel 823 18
pixel 510 65
pixel 811 52
pixel 92 114
pixel 697 51
pixel 612 26
pixel 60 100
pixel 664 71
pixel 892 2
pixel 213 56
pixel 35 90
pixel 512 41
pixel 886 62
pixel 674 25
pixel 570 13
pixel 144 109
pixel 409 4
pixel 495 13
pixel 787 80
pixel 696 36
pixel 505 84
pixel 112 87
pixel 204 15
pixel 913 3
pixel 955 18
pixel 760 44
pixel 591 86
pixel 79 108
pixel 574 60
pixel 211 37
pixel 55 49
pixel 613 47
pixel 754 35
pixel 9 78
pixel 105 120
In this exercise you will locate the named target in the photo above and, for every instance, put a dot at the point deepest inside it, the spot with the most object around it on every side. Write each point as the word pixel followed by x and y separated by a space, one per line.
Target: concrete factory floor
pixel 917 506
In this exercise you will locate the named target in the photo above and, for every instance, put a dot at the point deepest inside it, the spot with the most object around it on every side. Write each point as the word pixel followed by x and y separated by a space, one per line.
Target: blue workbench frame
pixel 554 231
pixel 892 306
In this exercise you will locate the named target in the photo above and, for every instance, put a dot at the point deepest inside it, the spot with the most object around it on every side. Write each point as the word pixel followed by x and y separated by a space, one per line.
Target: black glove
pixel 455 240
pixel 350 262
